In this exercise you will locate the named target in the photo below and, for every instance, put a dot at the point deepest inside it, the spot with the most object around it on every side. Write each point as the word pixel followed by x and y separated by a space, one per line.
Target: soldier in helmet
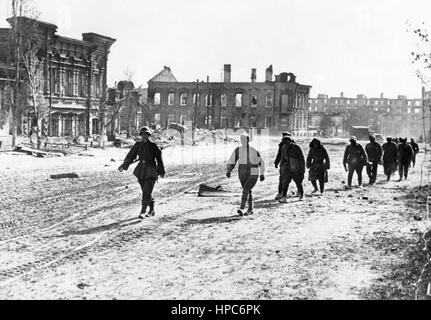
pixel 251 168
pixel 148 170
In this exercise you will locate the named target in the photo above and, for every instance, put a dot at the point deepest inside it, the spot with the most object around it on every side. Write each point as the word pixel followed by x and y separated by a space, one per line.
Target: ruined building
pixel 279 103
pixel 73 73
pixel 388 116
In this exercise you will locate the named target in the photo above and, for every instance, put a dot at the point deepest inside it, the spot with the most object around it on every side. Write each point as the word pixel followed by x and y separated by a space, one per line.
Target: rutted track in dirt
pixel 88 200
pixel 45 243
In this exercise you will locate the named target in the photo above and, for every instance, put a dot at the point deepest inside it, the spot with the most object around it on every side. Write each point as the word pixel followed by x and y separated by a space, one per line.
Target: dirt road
pixel 80 239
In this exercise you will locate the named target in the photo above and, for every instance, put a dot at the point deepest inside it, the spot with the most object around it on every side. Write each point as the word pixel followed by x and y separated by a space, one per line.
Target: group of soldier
pixel 395 154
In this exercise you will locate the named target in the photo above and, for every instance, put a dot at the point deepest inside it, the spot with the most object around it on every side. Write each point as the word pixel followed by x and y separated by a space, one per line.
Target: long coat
pixel 390 153
pixel 374 151
pixel 355 156
pixel 318 162
pixel 150 164
pixel 292 160
pixel 405 153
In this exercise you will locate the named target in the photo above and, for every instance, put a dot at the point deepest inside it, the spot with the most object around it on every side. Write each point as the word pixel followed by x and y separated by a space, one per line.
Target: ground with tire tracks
pixel 80 239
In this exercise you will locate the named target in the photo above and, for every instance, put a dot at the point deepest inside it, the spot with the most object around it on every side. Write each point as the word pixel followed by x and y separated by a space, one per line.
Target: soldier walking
pixel 355 157
pixel 277 163
pixel 319 164
pixel 292 168
pixel 415 148
pixel 374 152
pixel 405 157
pixel 147 171
pixel 251 168
pixel 390 157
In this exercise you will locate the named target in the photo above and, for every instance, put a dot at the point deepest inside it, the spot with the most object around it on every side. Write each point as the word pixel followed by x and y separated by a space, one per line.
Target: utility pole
pixel 208 102
pixel 196 110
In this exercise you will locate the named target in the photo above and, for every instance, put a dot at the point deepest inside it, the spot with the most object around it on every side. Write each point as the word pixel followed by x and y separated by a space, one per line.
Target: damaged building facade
pixel 388 116
pixel 279 103
pixel 73 73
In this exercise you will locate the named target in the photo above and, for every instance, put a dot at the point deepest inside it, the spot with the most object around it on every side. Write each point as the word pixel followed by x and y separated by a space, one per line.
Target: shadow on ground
pixel 107 227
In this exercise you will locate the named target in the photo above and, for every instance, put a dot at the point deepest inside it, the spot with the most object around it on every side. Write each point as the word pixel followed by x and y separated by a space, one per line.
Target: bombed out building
pixel 396 117
pixel 279 103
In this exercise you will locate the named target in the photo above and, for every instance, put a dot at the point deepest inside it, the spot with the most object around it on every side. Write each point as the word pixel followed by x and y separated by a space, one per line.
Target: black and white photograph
pixel 203 150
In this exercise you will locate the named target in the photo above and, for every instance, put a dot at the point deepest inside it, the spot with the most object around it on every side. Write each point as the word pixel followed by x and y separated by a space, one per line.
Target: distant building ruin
pixel 277 104
pixel 398 117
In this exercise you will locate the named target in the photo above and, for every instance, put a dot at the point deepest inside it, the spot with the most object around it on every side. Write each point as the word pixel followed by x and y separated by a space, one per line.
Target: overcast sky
pixel 354 47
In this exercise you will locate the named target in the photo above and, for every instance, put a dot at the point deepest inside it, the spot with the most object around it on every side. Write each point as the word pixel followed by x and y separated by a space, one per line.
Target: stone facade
pixel 73 73
pixel 278 104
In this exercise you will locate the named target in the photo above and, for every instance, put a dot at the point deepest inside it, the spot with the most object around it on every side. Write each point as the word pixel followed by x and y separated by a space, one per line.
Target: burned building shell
pixel 278 104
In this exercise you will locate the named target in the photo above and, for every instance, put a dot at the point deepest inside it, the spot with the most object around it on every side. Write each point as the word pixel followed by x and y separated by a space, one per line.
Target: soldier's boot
pixel 143 210
pixel 250 205
pixel 152 212
pixel 283 200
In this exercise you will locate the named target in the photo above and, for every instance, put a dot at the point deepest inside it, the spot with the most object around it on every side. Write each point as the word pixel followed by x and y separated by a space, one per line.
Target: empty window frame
pixel 183 99
pixel 253 101
pixel 196 98
pixel 269 101
pixel 157 118
pixel 223 100
pixel 209 99
pixel 171 99
pixel 208 120
pixel 238 100
pixel 157 99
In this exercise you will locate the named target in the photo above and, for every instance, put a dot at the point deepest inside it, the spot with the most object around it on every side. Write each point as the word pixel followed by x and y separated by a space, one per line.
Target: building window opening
pixel 284 102
pixel 269 101
pixel 209 100
pixel 208 120
pixel 254 101
pixel 223 100
pixel 196 98
pixel 157 118
pixel 238 100
pixel 157 99
pixel 253 122
pixel 171 99
pixel 183 99
pixel 268 122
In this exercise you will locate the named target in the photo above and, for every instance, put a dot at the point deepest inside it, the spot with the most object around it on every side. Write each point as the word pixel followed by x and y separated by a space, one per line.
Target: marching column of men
pixel 290 158
pixel 292 164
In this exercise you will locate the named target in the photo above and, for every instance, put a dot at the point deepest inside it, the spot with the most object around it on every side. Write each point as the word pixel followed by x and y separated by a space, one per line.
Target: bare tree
pixel 24 54
pixel 421 59
pixel 421 56
pixel 326 123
